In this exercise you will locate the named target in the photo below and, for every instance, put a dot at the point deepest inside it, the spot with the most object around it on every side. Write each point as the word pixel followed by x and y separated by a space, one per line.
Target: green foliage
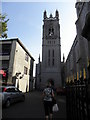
pixel 3 26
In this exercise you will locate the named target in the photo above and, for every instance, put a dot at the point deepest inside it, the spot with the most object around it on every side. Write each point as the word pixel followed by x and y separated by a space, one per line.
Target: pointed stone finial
pixel 45 14
pixel 63 58
pixel 51 16
pixel 57 14
pixel 39 58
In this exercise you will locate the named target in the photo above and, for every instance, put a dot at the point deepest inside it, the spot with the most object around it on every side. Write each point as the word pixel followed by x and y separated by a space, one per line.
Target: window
pixel 53 62
pixel 10 90
pixel 53 53
pixel 48 57
pixel 53 58
pixel 5 64
pixel 48 53
pixel 6 48
pixel 26 57
pixel 51 31
pixel 25 70
pixel 48 61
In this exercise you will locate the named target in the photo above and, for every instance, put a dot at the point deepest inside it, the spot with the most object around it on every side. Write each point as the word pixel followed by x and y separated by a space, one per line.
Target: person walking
pixel 48 93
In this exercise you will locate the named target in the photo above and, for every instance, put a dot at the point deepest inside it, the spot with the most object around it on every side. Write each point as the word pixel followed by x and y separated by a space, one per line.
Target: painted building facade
pixel 18 63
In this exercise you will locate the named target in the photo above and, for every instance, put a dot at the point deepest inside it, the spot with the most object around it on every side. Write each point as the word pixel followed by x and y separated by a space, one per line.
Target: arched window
pixel 51 31
pixel 48 57
pixel 53 53
pixel 53 60
pixel 48 53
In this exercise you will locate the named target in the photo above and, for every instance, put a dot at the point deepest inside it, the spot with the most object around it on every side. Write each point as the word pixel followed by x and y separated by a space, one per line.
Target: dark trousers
pixel 48 107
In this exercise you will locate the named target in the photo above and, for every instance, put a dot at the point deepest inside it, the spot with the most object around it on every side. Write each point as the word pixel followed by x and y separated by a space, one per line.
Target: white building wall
pixel 19 63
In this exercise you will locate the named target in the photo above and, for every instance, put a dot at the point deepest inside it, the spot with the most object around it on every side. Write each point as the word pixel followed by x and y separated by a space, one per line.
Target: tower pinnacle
pixel 45 14
pixel 63 58
pixel 51 16
pixel 39 58
pixel 57 14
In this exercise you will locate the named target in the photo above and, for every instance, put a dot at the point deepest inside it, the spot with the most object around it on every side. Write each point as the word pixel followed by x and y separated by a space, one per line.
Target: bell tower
pixel 51 50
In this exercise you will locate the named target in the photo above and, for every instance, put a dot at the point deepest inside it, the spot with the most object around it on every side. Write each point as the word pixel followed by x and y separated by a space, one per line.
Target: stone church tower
pixel 51 51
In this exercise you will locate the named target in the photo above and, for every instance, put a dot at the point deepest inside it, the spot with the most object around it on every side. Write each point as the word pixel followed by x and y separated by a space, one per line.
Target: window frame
pixel 25 70
pixel 26 57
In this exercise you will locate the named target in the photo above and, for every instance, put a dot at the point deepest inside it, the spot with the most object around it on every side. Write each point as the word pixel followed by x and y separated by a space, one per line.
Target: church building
pixel 50 67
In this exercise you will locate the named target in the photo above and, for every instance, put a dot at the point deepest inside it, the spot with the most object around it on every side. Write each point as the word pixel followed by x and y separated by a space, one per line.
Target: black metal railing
pixel 77 99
